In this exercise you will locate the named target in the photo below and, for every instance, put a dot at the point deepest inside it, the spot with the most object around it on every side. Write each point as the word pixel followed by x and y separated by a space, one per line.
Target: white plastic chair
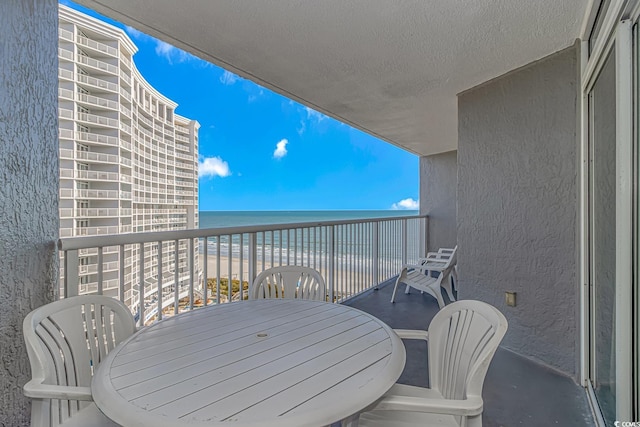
pixel 439 259
pixel 66 340
pixel 461 341
pixel 419 276
pixel 289 282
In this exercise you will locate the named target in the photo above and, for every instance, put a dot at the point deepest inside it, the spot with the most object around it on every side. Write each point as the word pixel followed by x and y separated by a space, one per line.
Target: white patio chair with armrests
pixel 289 282
pixel 66 340
pixel 435 260
pixel 461 341
pixel 419 276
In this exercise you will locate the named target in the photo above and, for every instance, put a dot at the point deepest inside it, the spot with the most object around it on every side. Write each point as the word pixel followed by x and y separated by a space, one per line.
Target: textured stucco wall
pixel 517 205
pixel 28 184
pixel 438 184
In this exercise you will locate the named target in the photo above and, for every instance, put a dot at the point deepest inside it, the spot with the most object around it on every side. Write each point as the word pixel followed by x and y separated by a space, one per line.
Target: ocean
pixel 214 219
pixel 310 243
pixel 356 248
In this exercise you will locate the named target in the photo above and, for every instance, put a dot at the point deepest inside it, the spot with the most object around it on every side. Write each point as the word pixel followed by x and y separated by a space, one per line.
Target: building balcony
pixel 65 34
pixel 65 54
pixel 97 65
pixel 65 94
pixel 125 62
pixel 183 139
pixel 97 46
pixel 94 119
pixel 97 101
pixel 90 212
pixel 360 268
pixel 65 74
pixel 184 156
pixel 89 175
pixel 66 193
pixel 96 138
pixel 126 95
pixel 90 156
pixel 96 83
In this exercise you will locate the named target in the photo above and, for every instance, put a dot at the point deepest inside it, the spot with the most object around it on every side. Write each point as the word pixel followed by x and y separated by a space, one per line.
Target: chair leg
pixel 395 288
pixel 438 295
pixel 448 286
pixel 454 275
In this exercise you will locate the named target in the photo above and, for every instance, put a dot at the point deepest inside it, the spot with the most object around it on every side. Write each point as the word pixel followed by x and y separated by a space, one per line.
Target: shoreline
pixel 213 273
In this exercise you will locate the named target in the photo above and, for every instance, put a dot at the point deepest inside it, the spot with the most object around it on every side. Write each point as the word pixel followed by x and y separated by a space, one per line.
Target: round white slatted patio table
pixel 250 363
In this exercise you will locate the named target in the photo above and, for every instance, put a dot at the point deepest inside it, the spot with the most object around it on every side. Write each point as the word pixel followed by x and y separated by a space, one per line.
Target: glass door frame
pixel 615 33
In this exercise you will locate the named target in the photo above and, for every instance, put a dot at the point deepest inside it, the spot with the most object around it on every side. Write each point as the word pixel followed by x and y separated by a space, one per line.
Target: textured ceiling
pixel 389 68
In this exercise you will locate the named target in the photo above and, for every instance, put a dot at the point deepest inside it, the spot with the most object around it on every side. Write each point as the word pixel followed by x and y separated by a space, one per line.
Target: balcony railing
pixel 97 101
pixel 100 120
pixel 100 83
pixel 100 65
pixel 97 138
pixel 100 47
pixel 352 256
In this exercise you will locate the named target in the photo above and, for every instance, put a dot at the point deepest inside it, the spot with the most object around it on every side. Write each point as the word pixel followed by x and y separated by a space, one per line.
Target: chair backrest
pixel 444 255
pixel 289 282
pixel 67 339
pixel 463 337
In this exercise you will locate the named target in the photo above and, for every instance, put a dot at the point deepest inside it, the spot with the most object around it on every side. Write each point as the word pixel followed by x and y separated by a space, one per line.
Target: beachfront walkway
pixel 517 391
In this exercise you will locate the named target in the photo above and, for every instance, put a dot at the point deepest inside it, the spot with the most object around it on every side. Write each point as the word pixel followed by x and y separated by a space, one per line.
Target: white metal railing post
pixel 376 261
pixel 100 271
pixel 121 289
pixel 159 296
pixel 218 278
pixel 71 279
pixel 331 270
pixel 191 272
pixel 141 287
pixel 404 241
pixel 253 258
pixel 241 250
pixel 176 278
pixel 229 268
pixel 205 269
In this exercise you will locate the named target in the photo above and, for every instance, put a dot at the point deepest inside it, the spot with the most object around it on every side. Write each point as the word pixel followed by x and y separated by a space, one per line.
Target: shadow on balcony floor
pixel 517 391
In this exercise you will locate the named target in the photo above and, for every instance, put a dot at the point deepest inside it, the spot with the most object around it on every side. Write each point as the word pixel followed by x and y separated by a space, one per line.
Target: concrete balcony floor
pixel 517 391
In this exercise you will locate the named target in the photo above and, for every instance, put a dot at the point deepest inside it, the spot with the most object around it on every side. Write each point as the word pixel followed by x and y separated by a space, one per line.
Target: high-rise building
pixel 128 162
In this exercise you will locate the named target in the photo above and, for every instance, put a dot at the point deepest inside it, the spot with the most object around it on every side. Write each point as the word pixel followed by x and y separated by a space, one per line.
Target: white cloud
pixel 213 166
pixel 313 114
pixel 228 78
pixel 302 128
pixel 308 116
pixel 281 149
pixel 170 52
pixel 135 33
pixel 409 204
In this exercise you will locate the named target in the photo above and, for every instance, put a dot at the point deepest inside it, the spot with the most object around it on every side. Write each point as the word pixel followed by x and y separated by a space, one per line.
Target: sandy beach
pixel 342 276
pixel 212 270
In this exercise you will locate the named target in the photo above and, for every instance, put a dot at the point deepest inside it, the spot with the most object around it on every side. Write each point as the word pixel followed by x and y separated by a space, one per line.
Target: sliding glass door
pixel 602 171
pixel 611 248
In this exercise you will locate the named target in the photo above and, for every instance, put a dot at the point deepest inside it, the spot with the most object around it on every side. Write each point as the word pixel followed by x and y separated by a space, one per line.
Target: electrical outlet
pixel 510 298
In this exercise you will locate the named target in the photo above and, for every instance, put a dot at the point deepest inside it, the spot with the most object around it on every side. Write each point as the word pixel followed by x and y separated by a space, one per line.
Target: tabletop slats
pixel 272 377
pixel 218 335
pixel 246 351
pixel 261 362
pixel 317 382
pixel 221 381
pixel 200 328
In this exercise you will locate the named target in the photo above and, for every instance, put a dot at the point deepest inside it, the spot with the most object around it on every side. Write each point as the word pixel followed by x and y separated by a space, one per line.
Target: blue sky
pixel 262 151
